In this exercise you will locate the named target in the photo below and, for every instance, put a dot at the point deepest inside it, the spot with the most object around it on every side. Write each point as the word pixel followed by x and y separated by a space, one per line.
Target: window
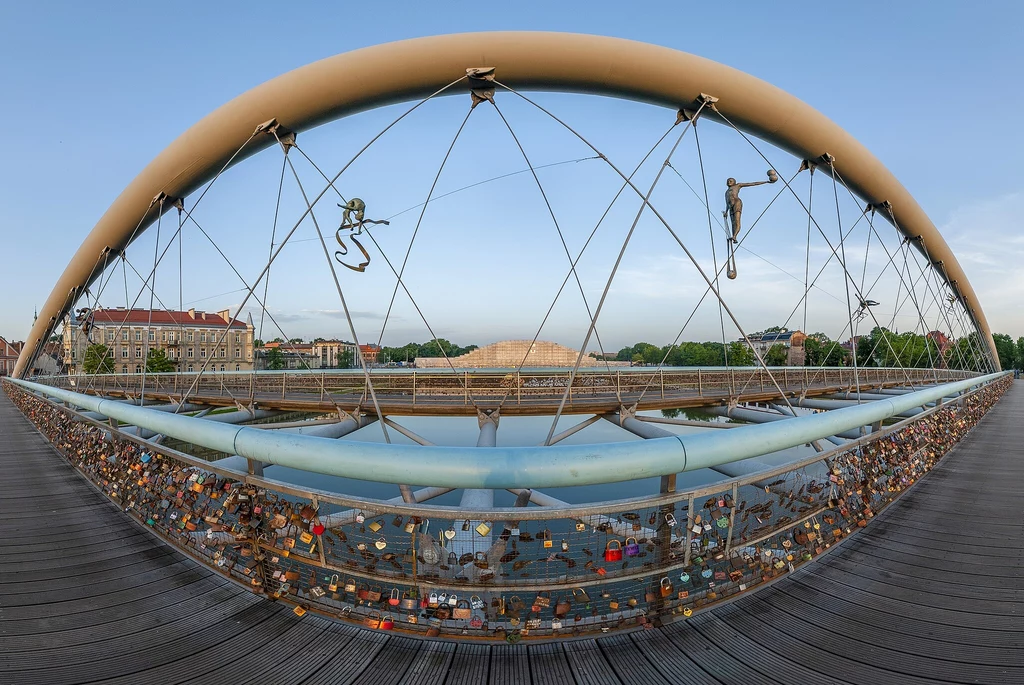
pixel 191 354
pixel 163 336
pixel 138 336
pixel 202 352
pixel 238 354
pixel 110 336
pixel 124 369
pixel 191 336
pixel 237 368
pixel 202 337
pixel 138 353
pixel 221 353
pixel 124 353
pixel 138 369
pixel 221 367
pixel 238 338
pixel 190 369
pixel 152 336
pixel 124 337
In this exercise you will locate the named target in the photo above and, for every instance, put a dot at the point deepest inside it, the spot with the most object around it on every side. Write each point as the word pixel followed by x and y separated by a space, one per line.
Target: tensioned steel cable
pixel 344 304
pixel 419 222
pixel 611 278
pixel 348 164
pixel 667 226
pixel 846 272
pixel 561 237
pixel 273 236
pixel 401 283
pixel 579 256
pixel 711 236
pixel 152 295
pixel 846 282
pixel 905 246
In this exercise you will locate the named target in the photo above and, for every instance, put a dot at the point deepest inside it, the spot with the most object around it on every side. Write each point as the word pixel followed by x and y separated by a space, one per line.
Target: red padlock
pixel 387 623
pixel 318 528
pixel 613 553
pixel 395 597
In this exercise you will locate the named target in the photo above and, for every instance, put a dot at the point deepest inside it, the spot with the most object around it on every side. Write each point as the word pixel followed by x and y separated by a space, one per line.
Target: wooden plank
pixel 430 664
pixel 588 663
pixel 470 665
pixel 510 665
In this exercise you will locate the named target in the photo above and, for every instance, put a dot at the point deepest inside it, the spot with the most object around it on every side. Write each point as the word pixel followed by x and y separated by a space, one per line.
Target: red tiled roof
pixel 161 318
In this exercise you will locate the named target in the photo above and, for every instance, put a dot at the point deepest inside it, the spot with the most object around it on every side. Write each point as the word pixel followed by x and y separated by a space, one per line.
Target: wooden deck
pixel 932 591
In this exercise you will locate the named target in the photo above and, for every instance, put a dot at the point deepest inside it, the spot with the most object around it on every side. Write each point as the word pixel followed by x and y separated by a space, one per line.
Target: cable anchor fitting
pixel 284 135
pixel 481 84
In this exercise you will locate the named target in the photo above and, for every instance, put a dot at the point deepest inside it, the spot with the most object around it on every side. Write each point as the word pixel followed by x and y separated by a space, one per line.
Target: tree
pixel 1020 352
pixel 277 340
pixel 1007 350
pixel 275 360
pixel 157 362
pixel 98 359
pixel 776 355
pixel 820 351
pixel 294 341
pixel 740 354
pixel 637 360
pixel 257 343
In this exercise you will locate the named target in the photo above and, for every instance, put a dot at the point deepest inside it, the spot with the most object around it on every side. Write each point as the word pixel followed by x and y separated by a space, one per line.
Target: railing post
pixel 700 385
pixel 465 386
pixel 661 373
pixel 414 388
pixel 519 387
pixel 732 518
pixel 689 532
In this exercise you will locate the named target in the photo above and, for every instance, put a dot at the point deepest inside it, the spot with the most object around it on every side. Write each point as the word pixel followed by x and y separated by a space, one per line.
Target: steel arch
pixel 394 72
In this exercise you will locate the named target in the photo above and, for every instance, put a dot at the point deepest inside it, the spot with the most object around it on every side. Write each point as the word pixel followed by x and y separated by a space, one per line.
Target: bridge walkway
pixel 931 592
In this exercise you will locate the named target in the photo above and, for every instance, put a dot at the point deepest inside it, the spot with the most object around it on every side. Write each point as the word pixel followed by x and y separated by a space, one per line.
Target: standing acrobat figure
pixel 733 203
pixel 733 210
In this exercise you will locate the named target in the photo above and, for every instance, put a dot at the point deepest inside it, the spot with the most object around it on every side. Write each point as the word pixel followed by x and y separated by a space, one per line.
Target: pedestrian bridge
pixel 929 591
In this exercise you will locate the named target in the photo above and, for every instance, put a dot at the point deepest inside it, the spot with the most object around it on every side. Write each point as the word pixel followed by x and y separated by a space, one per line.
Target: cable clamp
pixel 481 84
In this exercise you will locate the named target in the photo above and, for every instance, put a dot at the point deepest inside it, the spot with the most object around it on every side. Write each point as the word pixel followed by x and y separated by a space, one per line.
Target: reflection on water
pixel 516 431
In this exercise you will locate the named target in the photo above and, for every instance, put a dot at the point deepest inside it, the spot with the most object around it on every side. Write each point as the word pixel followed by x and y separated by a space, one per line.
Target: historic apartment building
pixel 792 341
pixel 189 339
pixel 9 352
pixel 335 353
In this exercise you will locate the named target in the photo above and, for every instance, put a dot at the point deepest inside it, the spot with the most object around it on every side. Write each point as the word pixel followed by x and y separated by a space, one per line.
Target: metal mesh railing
pixel 508 573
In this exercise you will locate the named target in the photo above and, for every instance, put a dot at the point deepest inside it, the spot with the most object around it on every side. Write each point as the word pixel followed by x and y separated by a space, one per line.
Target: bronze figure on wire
pixel 353 218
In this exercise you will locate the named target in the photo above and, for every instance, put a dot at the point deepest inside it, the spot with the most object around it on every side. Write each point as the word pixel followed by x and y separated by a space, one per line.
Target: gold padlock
pixel 375 526
pixel 484 528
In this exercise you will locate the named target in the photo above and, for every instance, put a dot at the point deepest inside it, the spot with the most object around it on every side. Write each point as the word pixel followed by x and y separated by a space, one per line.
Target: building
pixel 293 356
pixel 189 339
pixel 509 354
pixel 369 353
pixel 792 341
pixel 943 344
pixel 9 352
pixel 335 354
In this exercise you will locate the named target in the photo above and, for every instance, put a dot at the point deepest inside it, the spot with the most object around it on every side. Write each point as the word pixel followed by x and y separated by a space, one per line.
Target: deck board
pixel 931 592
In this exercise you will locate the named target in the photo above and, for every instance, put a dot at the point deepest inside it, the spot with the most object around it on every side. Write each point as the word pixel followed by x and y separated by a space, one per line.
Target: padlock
pixel 483 528
pixel 613 553
pixel 387 622
pixel 453 599
pixel 375 526
pixel 396 598
pixel 381 543
pixel 580 527
pixel 631 549
pixel 360 517
pixel 565 545
pixel 333 585
pixel 476 603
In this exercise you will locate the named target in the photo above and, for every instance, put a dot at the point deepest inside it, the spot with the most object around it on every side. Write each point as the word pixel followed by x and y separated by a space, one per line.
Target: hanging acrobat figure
pixel 353 218
pixel 733 210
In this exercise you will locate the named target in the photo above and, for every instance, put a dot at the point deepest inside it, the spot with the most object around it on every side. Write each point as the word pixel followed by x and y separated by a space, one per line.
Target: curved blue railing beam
pixel 509 467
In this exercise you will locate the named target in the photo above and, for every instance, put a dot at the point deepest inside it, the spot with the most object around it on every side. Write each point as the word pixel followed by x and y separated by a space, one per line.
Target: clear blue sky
pixel 93 91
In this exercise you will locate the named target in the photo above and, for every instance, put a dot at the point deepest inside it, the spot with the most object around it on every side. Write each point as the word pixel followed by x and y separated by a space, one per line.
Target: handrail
pixel 511 467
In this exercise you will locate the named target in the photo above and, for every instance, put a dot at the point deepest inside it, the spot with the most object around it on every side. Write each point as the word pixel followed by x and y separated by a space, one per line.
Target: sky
pixel 93 92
